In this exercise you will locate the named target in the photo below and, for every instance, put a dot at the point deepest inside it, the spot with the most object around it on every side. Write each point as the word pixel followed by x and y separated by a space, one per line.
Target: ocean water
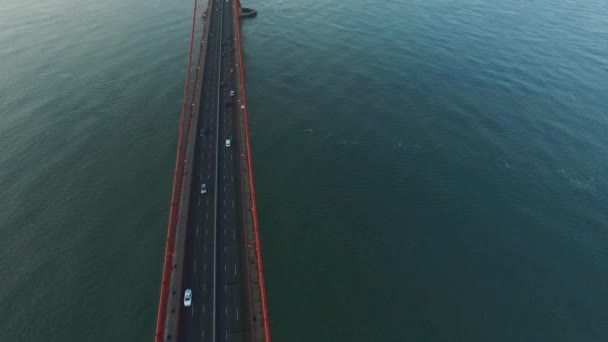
pixel 425 170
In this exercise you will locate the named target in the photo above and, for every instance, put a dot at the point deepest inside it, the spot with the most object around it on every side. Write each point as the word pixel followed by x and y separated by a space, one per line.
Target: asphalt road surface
pixel 215 266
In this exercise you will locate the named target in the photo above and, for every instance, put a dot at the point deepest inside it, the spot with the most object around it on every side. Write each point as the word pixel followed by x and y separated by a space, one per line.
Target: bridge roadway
pixel 215 266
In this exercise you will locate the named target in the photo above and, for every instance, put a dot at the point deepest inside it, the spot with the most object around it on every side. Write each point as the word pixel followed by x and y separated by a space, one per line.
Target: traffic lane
pixel 205 293
pixel 204 248
pixel 221 226
pixel 197 260
pixel 237 318
pixel 237 298
pixel 225 302
pixel 242 294
pixel 202 324
pixel 194 259
pixel 236 301
pixel 185 313
pixel 205 287
pixel 190 262
pixel 242 297
pixel 216 294
pixel 224 226
pixel 221 307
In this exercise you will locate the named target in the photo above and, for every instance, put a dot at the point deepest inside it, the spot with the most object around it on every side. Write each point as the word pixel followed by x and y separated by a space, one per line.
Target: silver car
pixel 188 298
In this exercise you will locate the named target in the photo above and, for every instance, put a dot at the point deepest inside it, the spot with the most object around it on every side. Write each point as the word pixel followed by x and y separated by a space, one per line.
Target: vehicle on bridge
pixel 188 298
pixel 228 143
pixel 203 189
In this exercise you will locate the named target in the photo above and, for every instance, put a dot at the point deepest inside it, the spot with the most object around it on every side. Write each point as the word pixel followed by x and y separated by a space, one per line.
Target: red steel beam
pixel 251 187
pixel 177 178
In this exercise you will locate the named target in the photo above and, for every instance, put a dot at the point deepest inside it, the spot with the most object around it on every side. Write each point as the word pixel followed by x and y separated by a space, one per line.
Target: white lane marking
pixel 199 201
pixel 203 334
pixel 206 231
pixel 233 201
pixel 232 179
pixel 234 269
pixel 237 312
pixel 226 314
pixel 205 249
pixel 195 265
pixel 217 123
pixel 225 288
pixel 203 308
pixel 226 333
pixel 225 267
pixel 205 267
pixel 234 234
pixel 197 231
pixel 204 289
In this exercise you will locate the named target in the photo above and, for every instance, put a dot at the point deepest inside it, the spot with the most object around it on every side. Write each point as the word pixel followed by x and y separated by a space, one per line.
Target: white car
pixel 232 93
pixel 203 188
pixel 188 298
pixel 228 143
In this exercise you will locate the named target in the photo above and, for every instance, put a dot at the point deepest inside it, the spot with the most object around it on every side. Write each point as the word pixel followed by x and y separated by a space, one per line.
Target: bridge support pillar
pixel 245 12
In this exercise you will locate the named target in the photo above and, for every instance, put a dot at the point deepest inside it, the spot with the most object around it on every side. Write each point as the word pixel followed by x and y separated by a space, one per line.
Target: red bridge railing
pixel 175 198
pixel 254 210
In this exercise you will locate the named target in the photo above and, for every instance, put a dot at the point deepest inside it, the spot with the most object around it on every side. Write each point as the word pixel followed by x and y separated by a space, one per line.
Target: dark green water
pixel 425 170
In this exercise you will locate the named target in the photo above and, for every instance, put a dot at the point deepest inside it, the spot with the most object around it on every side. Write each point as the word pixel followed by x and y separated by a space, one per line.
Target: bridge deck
pixel 216 253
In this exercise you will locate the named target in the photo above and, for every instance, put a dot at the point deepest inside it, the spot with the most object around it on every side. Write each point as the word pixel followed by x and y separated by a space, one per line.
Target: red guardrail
pixel 175 196
pixel 251 187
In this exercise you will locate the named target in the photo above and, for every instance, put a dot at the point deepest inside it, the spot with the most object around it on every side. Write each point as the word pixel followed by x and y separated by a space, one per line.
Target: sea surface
pixel 426 170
